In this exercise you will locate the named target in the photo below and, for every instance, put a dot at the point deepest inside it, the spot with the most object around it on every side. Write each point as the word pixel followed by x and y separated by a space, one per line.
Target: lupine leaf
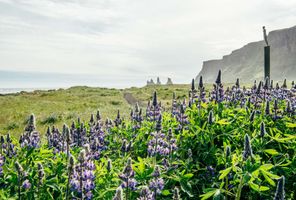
pixel 224 173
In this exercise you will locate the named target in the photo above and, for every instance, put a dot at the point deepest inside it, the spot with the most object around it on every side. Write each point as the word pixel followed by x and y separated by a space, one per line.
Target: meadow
pixel 178 142
pixel 56 107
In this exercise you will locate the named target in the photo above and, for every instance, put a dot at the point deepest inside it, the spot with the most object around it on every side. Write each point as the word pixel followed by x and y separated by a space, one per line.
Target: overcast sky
pixel 133 39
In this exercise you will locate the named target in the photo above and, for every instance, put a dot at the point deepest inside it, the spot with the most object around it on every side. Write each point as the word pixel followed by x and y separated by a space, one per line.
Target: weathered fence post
pixel 266 57
pixel 267 62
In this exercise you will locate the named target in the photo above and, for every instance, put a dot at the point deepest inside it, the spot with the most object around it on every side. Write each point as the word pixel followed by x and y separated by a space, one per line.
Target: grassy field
pixel 65 105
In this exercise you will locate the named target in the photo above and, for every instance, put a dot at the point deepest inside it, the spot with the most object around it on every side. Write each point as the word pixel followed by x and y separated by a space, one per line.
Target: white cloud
pixel 130 37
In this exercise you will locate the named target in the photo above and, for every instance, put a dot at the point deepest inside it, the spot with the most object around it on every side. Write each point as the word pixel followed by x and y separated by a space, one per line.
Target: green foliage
pixel 210 173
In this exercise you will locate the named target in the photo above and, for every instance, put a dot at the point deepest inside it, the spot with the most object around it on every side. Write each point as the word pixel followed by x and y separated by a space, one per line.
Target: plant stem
pixel 68 181
pixel 81 183
pixel 19 186
pixel 239 190
pixel 126 191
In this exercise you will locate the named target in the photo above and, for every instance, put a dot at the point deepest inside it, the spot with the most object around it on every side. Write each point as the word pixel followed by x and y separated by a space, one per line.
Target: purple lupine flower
pixel 88 185
pixel 218 80
pixel 156 172
pixel 181 117
pixel 267 108
pixel 288 107
pixel 92 120
pixel 31 124
pixel 31 137
pixel 124 146
pixel 247 148
pixel 156 184
pixel 75 185
pixel 192 93
pixel 89 195
pixel 109 165
pixel 136 116
pixel 70 171
pixel 7 147
pixel 59 141
pixel 127 176
pixel 98 115
pixel 210 118
pixel 153 111
pixel 40 173
pixel 146 194
pixel 26 184
pixel 252 116
pixel 82 177
pixel 284 84
pixel 2 160
pixel 118 120
pixel 159 143
pixel 202 93
pixel 262 129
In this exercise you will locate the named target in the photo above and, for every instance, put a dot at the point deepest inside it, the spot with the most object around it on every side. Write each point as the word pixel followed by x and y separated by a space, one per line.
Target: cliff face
pixel 247 63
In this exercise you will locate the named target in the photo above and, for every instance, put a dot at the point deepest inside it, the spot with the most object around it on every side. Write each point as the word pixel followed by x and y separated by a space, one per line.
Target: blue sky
pixel 131 40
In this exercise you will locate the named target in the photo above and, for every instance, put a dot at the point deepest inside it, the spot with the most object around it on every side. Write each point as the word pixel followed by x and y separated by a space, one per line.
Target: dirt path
pixel 130 98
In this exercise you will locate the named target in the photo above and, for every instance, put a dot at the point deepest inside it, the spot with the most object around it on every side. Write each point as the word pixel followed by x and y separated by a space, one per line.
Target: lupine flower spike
pixel 109 165
pixel 200 85
pixel 210 118
pixel 157 184
pixel 70 170
pixel 127 177
pixel 267 108
pixel 20 171
pixel 176 195
pixel 146 194
pixel 280 189
pixel 247 148
pixel 218 80
pixel 118 194
pixel 262 129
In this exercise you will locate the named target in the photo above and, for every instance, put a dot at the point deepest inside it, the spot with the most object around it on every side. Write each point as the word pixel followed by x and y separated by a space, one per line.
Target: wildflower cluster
pixel 160 144
pixel 217 94
pixel 127 177
pixel 156 184
pixel 153 110
pixel 82 177
pixel 58 140
pixel 136 117
pixel 7 148
pixel 31 137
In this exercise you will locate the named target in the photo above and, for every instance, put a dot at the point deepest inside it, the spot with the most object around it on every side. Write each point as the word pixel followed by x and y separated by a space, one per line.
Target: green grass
pixel 56 107
pixel 65 105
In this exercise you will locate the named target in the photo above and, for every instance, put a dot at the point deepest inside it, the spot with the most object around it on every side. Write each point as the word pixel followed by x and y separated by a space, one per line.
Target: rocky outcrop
pixel 247 63
pixel 169 81
pixel 150 82
pixel 158 81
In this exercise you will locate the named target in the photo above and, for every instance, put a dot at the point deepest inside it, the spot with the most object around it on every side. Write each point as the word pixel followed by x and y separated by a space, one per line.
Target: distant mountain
pixel 247 63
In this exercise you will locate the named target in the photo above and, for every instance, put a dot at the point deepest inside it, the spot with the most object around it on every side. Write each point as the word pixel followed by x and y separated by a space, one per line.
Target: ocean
pixel 16 90
pixel 12 82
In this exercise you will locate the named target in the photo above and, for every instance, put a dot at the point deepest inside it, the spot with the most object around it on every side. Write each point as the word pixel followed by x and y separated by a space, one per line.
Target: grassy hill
pixel 65 105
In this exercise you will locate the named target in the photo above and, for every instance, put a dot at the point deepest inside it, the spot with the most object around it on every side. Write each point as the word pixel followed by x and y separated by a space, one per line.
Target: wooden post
pixel 267 62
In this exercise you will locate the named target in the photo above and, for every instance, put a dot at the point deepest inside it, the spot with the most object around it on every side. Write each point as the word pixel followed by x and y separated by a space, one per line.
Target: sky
pixel 126 42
